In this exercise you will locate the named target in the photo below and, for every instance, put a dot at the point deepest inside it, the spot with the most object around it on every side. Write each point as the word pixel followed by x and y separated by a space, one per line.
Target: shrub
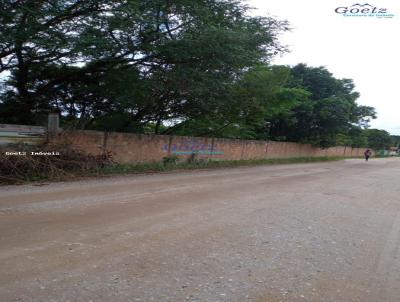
pixel 69 162
pixel 171 160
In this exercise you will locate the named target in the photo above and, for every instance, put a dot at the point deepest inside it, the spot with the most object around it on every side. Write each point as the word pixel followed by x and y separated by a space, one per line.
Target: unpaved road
pixel 307 232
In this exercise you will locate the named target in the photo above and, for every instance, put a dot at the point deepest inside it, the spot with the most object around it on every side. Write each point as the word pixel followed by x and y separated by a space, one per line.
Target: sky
pixel 365 49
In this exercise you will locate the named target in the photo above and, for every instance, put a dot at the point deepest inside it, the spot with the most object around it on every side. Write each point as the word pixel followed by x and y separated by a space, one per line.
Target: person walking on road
pixel 367 154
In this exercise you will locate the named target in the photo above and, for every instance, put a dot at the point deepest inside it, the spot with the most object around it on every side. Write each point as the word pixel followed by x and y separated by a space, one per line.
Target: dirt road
pixel 306 232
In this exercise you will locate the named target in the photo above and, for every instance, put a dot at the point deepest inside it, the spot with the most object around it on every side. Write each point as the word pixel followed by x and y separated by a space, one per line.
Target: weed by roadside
pixel 71 163
pixel 33 163
pixel 169 165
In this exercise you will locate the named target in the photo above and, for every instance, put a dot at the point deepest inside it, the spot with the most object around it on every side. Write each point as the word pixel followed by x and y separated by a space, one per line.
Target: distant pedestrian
pixel 367 154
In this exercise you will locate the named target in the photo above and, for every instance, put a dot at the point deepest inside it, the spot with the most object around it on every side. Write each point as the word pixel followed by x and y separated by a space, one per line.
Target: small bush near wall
pixel 21 163
pixel 170 160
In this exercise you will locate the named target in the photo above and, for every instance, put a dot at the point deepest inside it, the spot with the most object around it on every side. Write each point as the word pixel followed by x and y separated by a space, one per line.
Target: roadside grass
pixel 171 165
pixel 32 170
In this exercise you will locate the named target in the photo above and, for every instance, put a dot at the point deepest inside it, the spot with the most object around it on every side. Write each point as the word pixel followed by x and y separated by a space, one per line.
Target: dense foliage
pixel 330 110
pixel 378 139
pixel 190 67
pixel 126 64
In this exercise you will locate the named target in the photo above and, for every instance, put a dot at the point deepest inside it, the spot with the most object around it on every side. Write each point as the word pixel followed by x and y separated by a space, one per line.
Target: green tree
pixel 127 64
pixel 354 137
pixel 330 109
pixel 257 95
pixel 378 139
pixel 395 141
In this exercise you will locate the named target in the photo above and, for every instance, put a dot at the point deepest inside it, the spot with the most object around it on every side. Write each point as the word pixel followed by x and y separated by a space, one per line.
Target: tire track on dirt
pixel 384 278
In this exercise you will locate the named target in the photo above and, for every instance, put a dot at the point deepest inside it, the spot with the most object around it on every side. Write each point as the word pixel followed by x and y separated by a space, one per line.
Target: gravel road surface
pixel 304 232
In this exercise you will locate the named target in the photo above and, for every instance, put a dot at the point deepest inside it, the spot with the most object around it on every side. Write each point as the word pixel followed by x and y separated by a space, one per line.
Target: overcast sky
pixel 365 49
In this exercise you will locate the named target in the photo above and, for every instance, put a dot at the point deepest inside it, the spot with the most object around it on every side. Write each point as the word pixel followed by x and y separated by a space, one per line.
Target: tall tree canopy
pixel 190 67
pixel 378 139
pixel 330 109
pixel 140 61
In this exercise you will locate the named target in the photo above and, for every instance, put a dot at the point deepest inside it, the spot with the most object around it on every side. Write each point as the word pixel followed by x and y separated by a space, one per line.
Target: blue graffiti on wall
pixel 193 146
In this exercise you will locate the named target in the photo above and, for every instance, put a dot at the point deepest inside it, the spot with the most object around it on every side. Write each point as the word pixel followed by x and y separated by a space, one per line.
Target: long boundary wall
pixel 128 147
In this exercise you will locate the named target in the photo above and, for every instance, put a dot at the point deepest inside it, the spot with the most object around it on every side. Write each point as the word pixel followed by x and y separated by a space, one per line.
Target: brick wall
pixel 128 147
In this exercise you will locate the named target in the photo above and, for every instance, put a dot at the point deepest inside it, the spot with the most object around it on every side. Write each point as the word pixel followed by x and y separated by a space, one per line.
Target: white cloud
pixel 365 49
